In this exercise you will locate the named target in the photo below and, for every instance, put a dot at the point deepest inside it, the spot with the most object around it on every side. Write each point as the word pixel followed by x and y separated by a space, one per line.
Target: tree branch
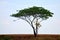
pixel 33 19
pixel 29 19
pixel 25 20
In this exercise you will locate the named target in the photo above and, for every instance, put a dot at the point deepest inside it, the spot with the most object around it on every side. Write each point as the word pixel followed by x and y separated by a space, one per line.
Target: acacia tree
pixel 33 14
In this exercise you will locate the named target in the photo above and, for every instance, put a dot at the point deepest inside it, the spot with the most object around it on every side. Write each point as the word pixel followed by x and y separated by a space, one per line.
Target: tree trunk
pixel 35 31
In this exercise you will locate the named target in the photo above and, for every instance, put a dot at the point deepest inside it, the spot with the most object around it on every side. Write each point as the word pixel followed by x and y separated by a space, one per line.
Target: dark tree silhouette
pixel 32 15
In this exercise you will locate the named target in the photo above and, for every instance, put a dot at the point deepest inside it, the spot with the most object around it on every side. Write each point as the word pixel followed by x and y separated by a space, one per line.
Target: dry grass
pixel 29 37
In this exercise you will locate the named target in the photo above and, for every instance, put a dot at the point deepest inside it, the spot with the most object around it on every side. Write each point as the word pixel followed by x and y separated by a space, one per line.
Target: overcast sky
pixel 8 26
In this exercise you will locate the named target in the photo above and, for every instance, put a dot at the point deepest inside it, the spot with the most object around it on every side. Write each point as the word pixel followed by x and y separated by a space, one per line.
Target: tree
pixel 32 15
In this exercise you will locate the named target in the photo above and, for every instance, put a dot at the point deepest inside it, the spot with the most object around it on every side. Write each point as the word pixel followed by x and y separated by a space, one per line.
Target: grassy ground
pixel 29 37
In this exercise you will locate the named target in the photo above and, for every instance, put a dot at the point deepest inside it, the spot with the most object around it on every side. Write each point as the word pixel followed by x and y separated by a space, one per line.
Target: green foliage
pixel 35 12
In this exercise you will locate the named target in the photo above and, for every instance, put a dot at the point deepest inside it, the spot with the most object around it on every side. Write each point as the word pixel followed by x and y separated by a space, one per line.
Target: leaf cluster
pixel 35 12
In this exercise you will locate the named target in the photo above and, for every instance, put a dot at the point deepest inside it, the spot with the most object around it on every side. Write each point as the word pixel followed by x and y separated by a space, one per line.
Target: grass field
pixel 29 37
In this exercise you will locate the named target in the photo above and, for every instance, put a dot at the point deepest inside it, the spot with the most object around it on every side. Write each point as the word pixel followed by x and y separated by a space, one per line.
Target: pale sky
pixel 8 26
